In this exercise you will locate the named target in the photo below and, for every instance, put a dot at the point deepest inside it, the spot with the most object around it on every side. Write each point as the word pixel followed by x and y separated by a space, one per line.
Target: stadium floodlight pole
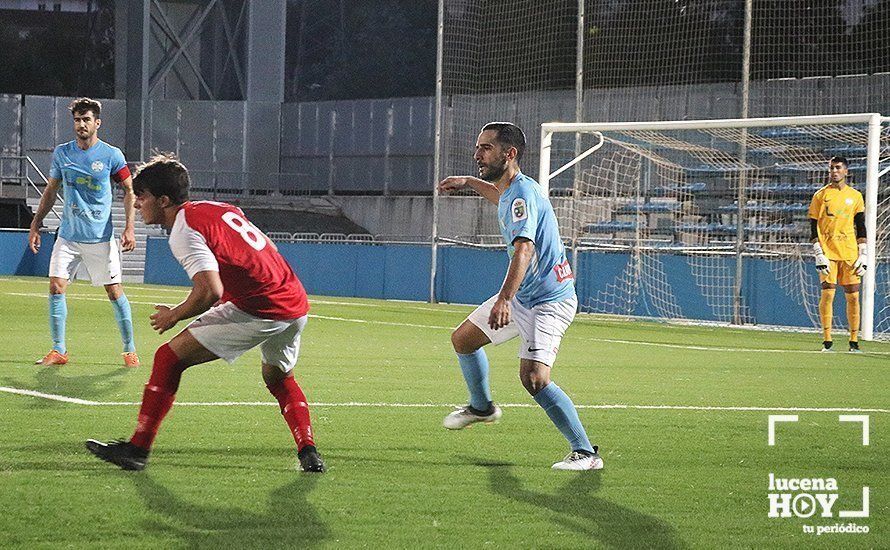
pixel 871 224
pixel 437 153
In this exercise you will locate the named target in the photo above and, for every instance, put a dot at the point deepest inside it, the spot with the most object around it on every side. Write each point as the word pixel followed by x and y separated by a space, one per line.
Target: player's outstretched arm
pixel 128 237
pixel 482 187
pixel 46 203
pixel 207 289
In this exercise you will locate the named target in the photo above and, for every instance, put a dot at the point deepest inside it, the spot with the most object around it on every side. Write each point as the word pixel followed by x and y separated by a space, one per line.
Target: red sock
pixel 158 396
pixel 295 410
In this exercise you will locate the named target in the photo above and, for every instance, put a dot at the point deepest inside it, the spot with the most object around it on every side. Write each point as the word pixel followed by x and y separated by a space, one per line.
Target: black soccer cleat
pixel 854 347
pixel 119 452
pixel 826 345
pixel 310 460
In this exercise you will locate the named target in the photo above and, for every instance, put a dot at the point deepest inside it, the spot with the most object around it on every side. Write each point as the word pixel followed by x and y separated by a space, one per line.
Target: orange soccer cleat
pixel 131 359
pixel 53 358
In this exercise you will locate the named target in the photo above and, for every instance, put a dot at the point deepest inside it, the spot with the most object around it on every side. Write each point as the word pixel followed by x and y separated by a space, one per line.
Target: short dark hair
pixel 508 134
pixel 84 104
pixel 163 174
pixel 837 159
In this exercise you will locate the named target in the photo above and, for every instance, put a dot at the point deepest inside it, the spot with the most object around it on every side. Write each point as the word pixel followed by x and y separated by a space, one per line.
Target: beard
pixel 493 172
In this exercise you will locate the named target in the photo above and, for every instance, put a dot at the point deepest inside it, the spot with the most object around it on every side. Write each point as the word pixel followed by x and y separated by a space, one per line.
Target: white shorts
pixel 541 328
pixel 102 260
pixel 228 332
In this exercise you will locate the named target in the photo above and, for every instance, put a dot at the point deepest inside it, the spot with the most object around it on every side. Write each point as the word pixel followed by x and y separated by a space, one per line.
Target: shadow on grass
pixel 57 456
pixel 576 506
pixel 86 386
pixel 71 455
pixel 290 521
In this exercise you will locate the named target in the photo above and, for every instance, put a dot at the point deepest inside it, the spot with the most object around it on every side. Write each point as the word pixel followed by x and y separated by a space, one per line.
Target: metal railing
pixel 221 184
pixel 344 238
pixel 26 176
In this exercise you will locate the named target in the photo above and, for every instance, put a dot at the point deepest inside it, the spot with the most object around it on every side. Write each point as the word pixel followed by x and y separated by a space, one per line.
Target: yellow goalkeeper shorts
pixel 841 273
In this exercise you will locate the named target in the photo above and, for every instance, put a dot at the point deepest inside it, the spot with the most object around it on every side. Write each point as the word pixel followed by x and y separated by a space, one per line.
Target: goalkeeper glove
pixel 860 266
pixel 821 259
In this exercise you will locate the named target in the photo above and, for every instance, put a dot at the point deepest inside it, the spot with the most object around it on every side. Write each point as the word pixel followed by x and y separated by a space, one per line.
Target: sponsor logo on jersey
pixel 563 271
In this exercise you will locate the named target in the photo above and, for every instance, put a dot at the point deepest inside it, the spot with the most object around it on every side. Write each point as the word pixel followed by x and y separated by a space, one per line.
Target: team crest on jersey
pixel 97 166
pixel 520 212
pixel 849 201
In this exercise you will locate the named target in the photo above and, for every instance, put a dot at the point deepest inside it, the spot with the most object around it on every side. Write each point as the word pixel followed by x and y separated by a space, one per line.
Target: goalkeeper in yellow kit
pixel 837 230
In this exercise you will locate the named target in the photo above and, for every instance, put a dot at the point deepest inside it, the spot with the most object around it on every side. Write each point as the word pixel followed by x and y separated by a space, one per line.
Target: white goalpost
pixel 706 220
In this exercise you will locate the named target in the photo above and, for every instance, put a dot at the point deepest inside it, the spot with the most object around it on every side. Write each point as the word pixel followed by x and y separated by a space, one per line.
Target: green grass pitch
pixel 381 376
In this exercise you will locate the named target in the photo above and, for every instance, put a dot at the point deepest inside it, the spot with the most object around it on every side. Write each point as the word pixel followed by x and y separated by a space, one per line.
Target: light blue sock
pixel 475 368
pixel 562 412
pixel 124 318
pixel 58 314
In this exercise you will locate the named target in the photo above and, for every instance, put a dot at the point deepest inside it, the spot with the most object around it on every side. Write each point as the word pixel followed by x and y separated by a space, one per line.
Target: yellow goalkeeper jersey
pixel 834 209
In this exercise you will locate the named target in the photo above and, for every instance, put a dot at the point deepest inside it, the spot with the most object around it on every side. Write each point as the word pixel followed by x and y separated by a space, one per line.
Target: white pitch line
pixel 359 404
pixel 77 297
pixel 311 315
pixel 444 327
pixel 706 348
pixel 388 323
pixel 401 303
pixel 135 290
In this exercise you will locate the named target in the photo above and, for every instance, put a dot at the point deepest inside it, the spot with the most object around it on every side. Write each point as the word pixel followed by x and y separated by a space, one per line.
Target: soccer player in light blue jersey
pixel 536 302
pixel 83 169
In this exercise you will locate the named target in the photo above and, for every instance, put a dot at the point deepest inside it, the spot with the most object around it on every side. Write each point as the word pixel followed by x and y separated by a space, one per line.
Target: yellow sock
pixel 853 315
pixel 826 301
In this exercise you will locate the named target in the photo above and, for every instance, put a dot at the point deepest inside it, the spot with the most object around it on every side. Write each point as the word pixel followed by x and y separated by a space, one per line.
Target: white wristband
pixel 863 249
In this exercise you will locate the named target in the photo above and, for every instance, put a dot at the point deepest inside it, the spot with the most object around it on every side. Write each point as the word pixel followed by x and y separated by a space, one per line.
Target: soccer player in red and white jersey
pixel 246 295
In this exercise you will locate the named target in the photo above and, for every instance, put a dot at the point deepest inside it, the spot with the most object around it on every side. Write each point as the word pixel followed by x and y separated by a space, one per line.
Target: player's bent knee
pixel 534 375
pixel 828 286
pixel 533 382
pixel 464 341
pixel 273 375
pixel 114 291
pixel 57 286
pixel 533 386
pixel 457 342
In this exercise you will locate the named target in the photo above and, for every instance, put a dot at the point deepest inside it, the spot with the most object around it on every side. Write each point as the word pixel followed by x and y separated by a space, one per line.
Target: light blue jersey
pixel 86 182
pixel 524 211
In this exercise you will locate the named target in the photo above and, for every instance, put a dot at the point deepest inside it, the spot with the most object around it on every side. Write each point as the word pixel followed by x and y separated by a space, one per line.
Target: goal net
pixel 708 220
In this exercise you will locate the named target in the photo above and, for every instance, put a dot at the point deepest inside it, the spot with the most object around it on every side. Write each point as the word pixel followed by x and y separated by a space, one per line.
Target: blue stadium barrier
pixel 17 258
pixel 465 275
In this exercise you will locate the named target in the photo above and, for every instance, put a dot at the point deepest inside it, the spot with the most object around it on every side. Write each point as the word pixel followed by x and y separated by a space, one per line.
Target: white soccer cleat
pixel 580 461
pixel 463 417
